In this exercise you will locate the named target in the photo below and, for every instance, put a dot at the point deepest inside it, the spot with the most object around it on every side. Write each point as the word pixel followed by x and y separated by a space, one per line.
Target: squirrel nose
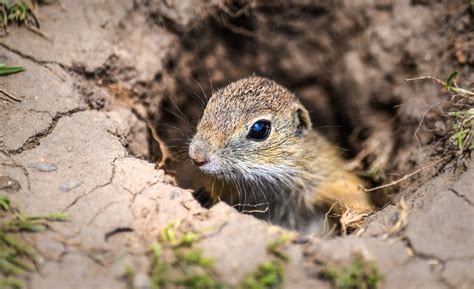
pixel 199 162
pixel 198 155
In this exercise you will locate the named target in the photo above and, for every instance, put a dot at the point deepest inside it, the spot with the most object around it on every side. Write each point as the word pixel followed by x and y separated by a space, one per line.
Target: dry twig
pixel 454 89
pixel 407 176
pixel 351 219
pixel 165 152
pixel 402 218
pixel 9 96
pixel 326 219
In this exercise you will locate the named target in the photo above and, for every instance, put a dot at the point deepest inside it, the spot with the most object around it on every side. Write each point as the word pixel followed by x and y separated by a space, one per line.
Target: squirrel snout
pixel 198 155
pixel 199 162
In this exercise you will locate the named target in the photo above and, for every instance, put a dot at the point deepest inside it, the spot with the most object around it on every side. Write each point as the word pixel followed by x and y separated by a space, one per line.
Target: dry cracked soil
pixel 79 141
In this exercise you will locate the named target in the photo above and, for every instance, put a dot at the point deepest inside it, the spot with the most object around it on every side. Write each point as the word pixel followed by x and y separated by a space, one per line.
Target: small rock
pixel 440 126
pixel 142 281
pixel 66 187
pixel 174 194
pixel 44 167
pixel 7 183
pixel 51 248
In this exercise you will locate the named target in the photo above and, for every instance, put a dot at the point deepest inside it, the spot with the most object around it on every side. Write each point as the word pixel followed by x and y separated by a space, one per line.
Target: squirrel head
pixel 250 129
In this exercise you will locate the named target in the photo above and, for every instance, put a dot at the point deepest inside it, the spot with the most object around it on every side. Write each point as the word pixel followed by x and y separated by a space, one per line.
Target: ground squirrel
pixel 257 148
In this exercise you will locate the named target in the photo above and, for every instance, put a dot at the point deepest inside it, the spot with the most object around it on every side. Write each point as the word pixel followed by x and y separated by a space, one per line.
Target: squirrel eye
pixel 260 130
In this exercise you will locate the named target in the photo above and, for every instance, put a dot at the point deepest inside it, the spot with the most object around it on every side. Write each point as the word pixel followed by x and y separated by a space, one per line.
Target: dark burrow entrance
pixel 346 63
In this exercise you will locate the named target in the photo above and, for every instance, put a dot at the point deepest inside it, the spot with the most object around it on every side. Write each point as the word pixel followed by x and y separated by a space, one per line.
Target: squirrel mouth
pixel 214 170
pixel 210 168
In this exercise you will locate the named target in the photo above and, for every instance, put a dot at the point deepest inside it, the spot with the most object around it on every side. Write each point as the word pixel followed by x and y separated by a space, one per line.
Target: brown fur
pixel 287 179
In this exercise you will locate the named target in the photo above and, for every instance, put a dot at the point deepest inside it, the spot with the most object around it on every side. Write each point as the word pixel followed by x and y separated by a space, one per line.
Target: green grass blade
pixel 7 70
pixel 4 203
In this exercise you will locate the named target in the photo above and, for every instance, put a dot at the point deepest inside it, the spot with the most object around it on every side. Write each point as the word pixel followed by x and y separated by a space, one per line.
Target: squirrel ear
pixel 303 121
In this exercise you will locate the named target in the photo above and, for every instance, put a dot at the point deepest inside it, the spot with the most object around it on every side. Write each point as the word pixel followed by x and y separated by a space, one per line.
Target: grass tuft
pixel 462 135
pixel 129 277
pixel 16 257
pixel 360 274
pixel 276 246
pixel 17 12
pixel 176 264
pixel 462 119
pixel 268 275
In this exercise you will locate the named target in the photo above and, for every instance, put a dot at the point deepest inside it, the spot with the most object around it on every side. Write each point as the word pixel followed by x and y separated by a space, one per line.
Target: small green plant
pixel 4 71
pixel 449 84
pixel 463 126
pixel 275 247
pixel 360 274
pixel 452 87
pixel 17 12
pixel 7 70
pixel 176 264
pixel 461 134
pixel 129 277
pixel 463 119
pixel 16 257
pixel 268 275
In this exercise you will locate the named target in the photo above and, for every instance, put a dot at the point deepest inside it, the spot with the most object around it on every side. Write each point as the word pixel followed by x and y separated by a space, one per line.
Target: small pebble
pixel 7 183
pixel 174 194
pixel 70 185
pixel 44 167
pixel 53 249
pixel 142 281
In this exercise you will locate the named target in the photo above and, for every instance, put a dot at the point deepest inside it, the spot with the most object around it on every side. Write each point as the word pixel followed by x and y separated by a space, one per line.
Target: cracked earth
pixel 59 153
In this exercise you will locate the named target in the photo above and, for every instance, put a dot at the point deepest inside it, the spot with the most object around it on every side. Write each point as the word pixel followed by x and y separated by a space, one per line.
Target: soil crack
pixel 109 182
pixel 428 257
pixel 102 210
pixel 461 196
pixel 34 141
pixel 31 58
pixel 134 195
pixel 116 231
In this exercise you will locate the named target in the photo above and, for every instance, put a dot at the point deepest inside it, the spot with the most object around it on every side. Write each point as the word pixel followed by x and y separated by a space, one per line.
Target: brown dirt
pixel 112 65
